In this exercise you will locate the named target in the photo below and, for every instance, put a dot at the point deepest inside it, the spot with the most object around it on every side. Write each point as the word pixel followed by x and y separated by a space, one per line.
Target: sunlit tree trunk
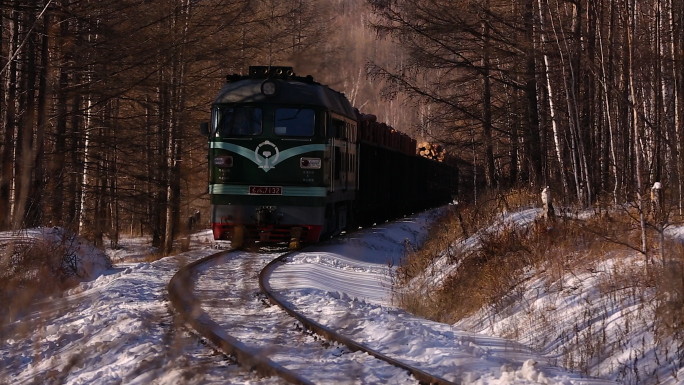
pixel 552 108
pixel 630 30
pixel 76 166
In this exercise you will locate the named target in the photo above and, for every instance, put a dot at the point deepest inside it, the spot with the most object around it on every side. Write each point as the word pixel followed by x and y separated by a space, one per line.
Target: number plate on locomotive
pixel 265 190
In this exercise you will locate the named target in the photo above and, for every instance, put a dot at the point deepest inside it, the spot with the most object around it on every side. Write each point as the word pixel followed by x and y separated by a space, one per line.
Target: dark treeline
pixel 586 96
pixel 101 100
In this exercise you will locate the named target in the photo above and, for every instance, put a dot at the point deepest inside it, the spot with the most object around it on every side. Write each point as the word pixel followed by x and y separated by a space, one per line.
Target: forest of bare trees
pixel 100 100
pixel 585 96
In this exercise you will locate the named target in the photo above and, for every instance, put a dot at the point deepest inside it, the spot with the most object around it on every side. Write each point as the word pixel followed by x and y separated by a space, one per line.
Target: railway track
pixel 201 305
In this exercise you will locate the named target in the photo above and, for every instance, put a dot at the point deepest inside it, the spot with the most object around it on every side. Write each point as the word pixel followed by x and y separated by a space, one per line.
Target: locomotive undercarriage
pixel 271 224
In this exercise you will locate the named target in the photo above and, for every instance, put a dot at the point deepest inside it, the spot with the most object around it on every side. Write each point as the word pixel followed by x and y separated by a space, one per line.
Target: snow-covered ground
pixel 230 292
pixel 345 284
pixel 118 327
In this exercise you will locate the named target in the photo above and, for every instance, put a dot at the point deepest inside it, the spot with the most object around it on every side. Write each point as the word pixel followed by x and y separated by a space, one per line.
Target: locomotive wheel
pixel 295 234
pixel 238 239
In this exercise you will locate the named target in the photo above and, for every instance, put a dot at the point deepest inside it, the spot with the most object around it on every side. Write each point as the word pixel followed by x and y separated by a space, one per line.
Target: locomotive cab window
pixel 238 121
pixel 294 122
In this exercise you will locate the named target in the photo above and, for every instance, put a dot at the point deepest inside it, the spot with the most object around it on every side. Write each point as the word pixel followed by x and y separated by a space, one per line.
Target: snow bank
pixel 364 257
pixel 114 329
pixel 78 257
pixel 345 285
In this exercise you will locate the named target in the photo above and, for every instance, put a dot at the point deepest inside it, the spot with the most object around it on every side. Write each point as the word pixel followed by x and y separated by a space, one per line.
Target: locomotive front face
pixel 267 171
pixel 272 170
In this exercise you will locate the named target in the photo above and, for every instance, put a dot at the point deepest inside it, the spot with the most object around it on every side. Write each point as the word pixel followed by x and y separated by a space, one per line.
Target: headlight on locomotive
pixel 223 161
pixel 310 163
pixel 269 88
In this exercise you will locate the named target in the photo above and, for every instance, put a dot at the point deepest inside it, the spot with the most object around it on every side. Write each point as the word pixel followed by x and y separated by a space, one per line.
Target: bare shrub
pixel 493 274
pixel 34 267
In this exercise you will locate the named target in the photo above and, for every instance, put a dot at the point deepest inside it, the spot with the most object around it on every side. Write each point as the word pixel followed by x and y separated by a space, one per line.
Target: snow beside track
pixel 345 284
pixel 117 328
pixel 237 308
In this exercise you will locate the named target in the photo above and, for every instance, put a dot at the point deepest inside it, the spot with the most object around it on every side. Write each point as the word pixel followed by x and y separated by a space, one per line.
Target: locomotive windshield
pixel 294 122
pixel 239 121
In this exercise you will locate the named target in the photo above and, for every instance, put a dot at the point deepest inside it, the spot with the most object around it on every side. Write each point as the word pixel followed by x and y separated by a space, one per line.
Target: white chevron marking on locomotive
pixel 264 163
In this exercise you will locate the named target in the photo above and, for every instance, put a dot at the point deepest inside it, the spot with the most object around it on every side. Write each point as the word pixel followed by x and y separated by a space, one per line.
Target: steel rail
pixel 311 325
pixel 188 306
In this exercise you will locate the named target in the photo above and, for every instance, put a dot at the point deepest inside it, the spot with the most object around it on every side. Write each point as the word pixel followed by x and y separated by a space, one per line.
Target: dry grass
pixel 493 275
pixel 592 257
pixel 155 256
pixel 670 285
pixel 459 222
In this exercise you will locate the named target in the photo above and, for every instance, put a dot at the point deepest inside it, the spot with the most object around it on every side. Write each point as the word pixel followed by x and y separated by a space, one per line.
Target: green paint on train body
pixel 268 159
pixel 283 141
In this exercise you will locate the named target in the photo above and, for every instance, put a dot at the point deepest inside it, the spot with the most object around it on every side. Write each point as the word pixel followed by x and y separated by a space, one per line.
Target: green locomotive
pixel 284 161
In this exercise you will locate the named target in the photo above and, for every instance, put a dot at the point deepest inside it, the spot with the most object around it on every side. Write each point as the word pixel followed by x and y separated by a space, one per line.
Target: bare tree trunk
pixel 175 141
pixel 163 126
pixel 25 155
pixel 552 107
pixel 678 124
pixel 630 30
pixel 4 143
pixel 487 102
pixel 571 116
pixel 10 127
pixel 88 176
pixel 607 112
pixel 57 168
pixel 76 166
pixel 113 185
pixel 150 169
pixel 532 139
pixel 38 187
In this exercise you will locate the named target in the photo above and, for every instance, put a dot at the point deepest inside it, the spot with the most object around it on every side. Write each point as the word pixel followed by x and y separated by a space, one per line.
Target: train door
pixel 339 149
pixel 341 131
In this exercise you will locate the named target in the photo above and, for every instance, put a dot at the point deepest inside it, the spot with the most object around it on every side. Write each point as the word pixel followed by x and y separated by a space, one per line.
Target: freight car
pixel 291 160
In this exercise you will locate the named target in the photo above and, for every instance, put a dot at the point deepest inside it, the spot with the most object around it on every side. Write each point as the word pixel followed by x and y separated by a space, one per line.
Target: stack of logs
pixel 380 133
pixel 431 151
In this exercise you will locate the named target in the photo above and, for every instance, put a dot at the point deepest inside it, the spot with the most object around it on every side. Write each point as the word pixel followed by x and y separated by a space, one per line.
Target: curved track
pixel 309 324
pixel 188 306
pixel 184 300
